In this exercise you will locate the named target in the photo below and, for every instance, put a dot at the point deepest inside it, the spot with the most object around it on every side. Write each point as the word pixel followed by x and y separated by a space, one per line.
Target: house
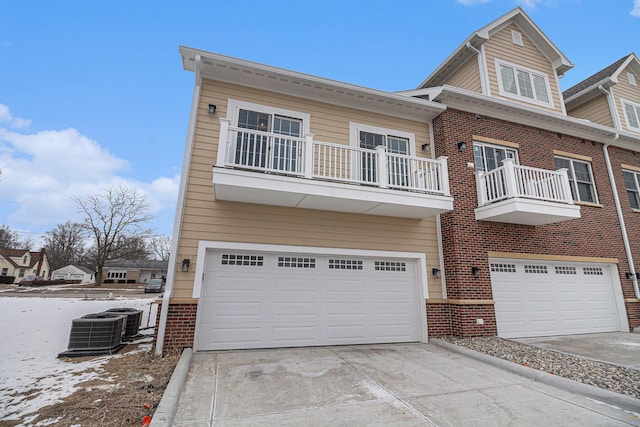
pixel 74 272
pixel 315 212
pixel 20 263
pixel 133 270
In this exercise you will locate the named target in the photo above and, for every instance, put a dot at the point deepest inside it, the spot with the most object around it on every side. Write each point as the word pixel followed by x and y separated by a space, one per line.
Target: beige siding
pixel 467 77
pixel 624 90
pixel 208 219
pixel 500 46
pixel 596 110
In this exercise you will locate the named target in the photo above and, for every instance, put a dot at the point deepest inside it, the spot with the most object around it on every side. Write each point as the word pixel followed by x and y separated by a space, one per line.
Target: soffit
pixel 259 76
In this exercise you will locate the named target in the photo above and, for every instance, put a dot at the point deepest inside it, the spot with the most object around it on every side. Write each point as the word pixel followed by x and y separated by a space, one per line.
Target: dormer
pixel 610 97
pixel 509 59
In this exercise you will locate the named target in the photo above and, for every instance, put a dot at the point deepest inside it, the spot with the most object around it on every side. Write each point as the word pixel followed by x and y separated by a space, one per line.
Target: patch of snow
pixel 34 331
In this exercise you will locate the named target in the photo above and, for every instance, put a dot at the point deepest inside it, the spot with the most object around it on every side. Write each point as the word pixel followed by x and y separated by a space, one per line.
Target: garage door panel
pixel 295 300
pixel 534 298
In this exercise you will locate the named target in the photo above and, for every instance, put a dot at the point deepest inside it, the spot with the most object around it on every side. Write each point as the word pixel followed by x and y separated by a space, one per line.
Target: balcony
pixel 274 169
pixel 524 195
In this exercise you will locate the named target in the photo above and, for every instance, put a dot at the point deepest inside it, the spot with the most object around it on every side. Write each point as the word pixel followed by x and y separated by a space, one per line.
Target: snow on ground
pixel 34 331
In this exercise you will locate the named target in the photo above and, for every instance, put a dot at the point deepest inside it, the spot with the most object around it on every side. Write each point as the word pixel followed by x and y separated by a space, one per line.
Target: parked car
pixel 154 285
pixel 31 278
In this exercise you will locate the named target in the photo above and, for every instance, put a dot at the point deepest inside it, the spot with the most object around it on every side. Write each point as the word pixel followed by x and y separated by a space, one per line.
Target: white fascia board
pixel 607 82
pixel 248 73
pixel 632 61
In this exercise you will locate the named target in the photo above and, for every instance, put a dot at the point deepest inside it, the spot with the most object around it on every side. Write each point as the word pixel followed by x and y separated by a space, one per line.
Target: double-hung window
pixel 632 114
pixel 489 157
pixel 268 138
pixel 523 83
pixel 396 142
pixel 581 180
pixel 631 182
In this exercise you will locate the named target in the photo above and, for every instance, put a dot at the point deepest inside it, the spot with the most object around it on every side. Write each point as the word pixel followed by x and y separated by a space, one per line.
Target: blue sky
pixel 93 93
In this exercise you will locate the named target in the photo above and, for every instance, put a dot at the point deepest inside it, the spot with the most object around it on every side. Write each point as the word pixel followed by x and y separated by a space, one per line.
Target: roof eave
pixel 260 76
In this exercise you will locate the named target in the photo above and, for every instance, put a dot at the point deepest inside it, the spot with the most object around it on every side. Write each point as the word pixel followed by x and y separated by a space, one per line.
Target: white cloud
pixel 636 9
pixel 13 122
pixel 43 171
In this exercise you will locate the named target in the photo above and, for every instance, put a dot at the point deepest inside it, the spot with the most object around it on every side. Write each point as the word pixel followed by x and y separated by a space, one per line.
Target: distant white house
pixel 74 272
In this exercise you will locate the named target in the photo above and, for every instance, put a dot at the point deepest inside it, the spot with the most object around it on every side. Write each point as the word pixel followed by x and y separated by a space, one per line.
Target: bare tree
pixel 160 246
pixel 64 244
pixel 8 238
pixel 110 216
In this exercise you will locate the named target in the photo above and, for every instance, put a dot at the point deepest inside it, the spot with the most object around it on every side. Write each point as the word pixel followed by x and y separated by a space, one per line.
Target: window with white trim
pixel 21 272
pixel 116 274
pixel 522 83
pixel 632 79
pixel 581 181
pixel 489 157
pixel 631 114
pixel 631 183
pixel 395 141
pixel 267 137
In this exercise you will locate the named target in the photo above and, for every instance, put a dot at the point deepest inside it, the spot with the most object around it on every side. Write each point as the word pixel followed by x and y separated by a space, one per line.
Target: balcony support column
pixel 308 156
pixel 566 186
pixel 381 163
pixel 223 142
pixel 482 190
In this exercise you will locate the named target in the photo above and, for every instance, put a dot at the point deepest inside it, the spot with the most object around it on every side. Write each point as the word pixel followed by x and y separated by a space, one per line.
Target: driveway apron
pixel 391 384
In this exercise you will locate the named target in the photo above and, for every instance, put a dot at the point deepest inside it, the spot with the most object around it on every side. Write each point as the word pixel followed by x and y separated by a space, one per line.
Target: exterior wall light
pixel 185 265
pixel 212 109
pixel 426 147
pixel 475 271
pixel 435 272
pixel 462 146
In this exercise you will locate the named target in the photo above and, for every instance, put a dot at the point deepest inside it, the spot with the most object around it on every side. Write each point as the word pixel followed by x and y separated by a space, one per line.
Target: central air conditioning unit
pixel 133 320
pixel 99 332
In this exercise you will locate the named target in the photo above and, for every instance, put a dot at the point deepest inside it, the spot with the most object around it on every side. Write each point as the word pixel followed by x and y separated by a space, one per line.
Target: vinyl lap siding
pixel 625 91
pixel 207 219
pixel 501 46
pixel 467 77
pixel 596 110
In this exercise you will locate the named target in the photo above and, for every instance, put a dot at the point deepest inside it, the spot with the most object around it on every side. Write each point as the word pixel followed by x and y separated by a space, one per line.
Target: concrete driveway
pixel 616 348
pixel 392 384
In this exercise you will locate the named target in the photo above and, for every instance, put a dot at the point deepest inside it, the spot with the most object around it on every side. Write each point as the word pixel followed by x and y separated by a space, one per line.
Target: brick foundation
pixel 181 326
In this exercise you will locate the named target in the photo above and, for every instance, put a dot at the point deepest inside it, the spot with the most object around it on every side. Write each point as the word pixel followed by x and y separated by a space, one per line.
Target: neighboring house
pixel 133 270
pixel 74 272
pixel 335 214
pixel 21 263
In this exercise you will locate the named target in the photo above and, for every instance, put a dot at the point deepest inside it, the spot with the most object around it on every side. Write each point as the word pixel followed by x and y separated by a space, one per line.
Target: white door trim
pixel 420 258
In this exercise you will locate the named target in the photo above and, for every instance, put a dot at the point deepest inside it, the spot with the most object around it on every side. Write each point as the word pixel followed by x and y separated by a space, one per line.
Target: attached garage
pixel 266 299
pixel 544 298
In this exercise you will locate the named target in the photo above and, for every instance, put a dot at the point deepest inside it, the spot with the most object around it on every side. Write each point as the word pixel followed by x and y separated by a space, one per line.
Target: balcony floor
pixel 271 189
pixel 527 211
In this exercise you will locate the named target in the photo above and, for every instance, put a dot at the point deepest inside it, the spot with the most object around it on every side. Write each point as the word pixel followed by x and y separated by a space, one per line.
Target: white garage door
pixel 263 300
pixel 534 298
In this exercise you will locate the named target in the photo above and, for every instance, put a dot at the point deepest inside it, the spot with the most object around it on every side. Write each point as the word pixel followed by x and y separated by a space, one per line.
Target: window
pixel 516 37
pixel 21 272
pixel 245 260
pixel 489 157
pixel 632 114
pixel 345 264
pixel 390 266
pixel 522 83
pixel 116 274
pixel 580 179
pixel 5 271
pixel 24 259
pixel 267 137
pixel 396 142
pixel 296 262
pixel 631 180
pixel 632 79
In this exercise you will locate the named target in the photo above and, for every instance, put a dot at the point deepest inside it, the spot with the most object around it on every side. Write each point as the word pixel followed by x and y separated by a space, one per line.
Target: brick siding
pixel 181 326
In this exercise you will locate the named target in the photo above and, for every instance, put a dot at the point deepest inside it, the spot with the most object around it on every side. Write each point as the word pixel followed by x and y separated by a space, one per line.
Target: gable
pixel 467 76
pixel 500 48
pixel 625 92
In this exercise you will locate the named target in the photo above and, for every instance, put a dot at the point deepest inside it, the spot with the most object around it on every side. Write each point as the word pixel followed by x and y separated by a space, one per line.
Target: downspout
pixel 171 272
pixel 616 199
pixel 483 83
pixel 443 278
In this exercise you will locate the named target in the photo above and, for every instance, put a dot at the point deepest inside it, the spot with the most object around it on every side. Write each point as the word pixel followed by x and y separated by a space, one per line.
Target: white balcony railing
pixel 275 153
pixel 511 180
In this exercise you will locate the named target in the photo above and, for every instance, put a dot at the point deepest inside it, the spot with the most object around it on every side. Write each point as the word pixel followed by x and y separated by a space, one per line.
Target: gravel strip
pixel 603 375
